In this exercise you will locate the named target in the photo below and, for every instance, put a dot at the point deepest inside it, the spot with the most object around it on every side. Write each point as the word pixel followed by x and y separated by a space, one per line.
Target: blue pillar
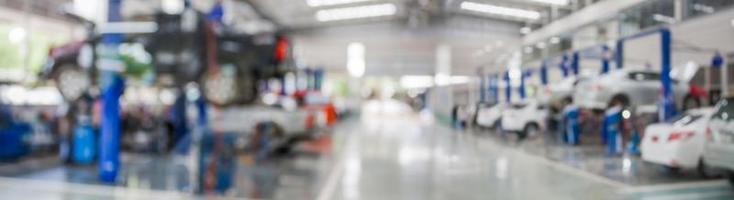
pixel 668 99
pixel 113 86
pixel 605 59
pixel 544 73
pixel 508 87
pixel 575 63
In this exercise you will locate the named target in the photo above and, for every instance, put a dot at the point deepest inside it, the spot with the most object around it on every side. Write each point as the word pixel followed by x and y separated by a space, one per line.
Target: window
pixel 725 110
pixel 643 76
pixel 695 8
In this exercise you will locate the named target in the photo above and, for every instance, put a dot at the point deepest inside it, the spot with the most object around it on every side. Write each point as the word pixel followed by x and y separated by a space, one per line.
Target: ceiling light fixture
pixel 356 12
pixel 663 18
pixel 555 40
pixel 317 3
pixel 500 10
pixel 525 30
pixel 554 2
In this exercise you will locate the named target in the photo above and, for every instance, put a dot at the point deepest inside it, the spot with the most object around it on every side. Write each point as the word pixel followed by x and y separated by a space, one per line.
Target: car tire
pixel 71 81
pixel 530 130
pixel 704 170
pixel 619 99
pixel 730 177
pixel 691 102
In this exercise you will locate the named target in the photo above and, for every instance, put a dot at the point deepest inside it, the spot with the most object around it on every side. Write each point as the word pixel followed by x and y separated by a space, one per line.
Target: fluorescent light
pixel 525 30
pixel 355 59
pixel 555 40
pixel 540 45
pixel 317 3
pixel 732 22
pixel 128 27
pixel 554 2
pixel 414 81
pixel 500 10
pixel 663 18
pixel 528 50
pixel 356 12
pixel 17 35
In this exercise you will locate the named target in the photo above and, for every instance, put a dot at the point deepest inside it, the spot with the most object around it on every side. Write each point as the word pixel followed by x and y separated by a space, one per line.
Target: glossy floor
pixel 381 155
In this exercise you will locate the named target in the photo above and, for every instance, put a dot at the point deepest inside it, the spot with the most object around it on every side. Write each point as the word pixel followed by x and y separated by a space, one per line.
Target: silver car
pixel 626 86
pixel 719 150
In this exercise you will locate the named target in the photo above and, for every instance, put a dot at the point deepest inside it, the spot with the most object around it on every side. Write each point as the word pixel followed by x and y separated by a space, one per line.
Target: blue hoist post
pixel 571 126
pixel 611 131
pixel 605 59
pixel 508 87
pixel 521 87
pixel 494 88
pixel 575 63
pixel 666 107
pixel 544 73
pixel 112 87
pixel 563 65
pixel 482 88
pixel 318 79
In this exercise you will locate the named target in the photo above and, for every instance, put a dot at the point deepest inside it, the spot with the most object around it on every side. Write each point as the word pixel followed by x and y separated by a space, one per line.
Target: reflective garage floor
pixel 380 155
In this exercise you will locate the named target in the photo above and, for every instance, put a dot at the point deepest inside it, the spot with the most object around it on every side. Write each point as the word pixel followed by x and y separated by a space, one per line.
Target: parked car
pixel 489 116
pixel 720 142
pixel 680 142
pixel 526 118
pixel 632 87
pixel 561 92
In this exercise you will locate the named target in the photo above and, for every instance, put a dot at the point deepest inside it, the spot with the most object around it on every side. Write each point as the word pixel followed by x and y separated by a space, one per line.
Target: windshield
pixel 687 119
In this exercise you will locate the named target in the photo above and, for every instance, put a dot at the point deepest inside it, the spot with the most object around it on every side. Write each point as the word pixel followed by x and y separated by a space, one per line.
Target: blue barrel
pixel 12 145
pixel 83 150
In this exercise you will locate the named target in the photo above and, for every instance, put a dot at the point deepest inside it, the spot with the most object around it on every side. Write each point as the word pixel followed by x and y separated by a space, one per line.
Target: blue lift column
pixel 605 59
pixel 563 66
pixel 521 88
pixel 575 63
pixel 482 92
pixel 493 88
pixel 508 87
pixel 112 88
pixel 544 73
pixel 667 107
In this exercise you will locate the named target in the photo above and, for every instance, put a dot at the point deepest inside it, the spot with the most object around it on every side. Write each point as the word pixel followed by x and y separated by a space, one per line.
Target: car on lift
pixel 632 87
pixel 720 143
pixel 488 116
pixel 680 142
pixel 527 118
pixel 561 93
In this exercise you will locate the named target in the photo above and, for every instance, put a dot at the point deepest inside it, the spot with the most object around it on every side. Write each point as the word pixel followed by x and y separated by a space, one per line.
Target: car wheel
pixel 530 130
pixel 619 100
pixel 730 177
pixel 691 102
pixel 72 82
pixel 704 170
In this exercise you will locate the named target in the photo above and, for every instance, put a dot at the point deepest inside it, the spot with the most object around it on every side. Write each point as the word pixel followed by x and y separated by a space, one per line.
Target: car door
pixel 645 89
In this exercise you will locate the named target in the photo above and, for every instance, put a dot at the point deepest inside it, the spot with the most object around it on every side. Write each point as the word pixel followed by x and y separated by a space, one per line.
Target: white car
pixel 526 118
pixel 720 144
pixel 679 143
pixel 489 117
pixel 562 91
pixel 626 86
